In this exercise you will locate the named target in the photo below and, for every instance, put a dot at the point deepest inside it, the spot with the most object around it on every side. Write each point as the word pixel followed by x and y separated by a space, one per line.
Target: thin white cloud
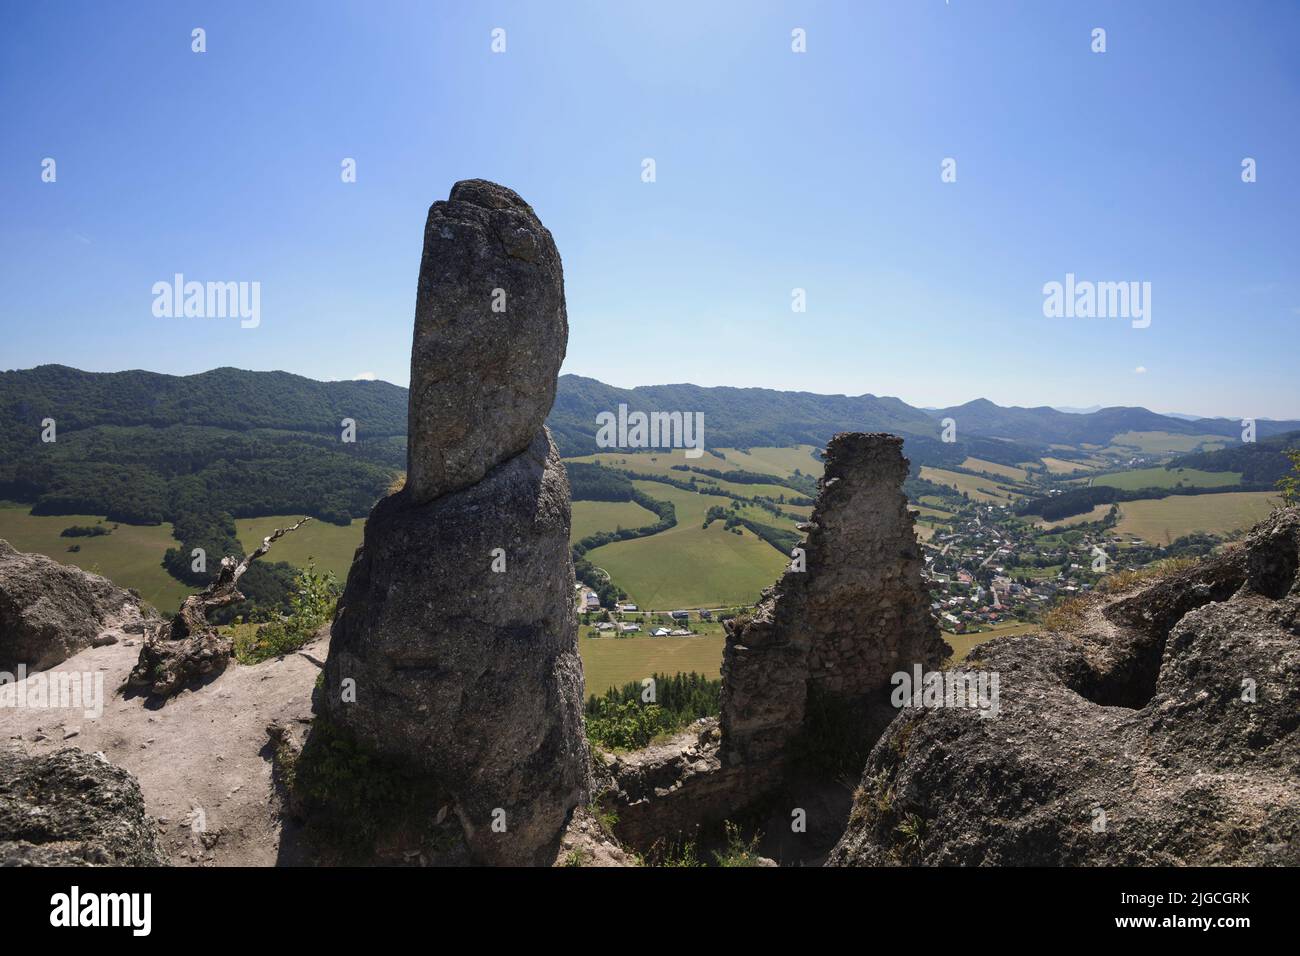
pixel 364 377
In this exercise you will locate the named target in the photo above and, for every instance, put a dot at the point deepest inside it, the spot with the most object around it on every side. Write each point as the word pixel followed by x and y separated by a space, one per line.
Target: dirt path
pixel 201 760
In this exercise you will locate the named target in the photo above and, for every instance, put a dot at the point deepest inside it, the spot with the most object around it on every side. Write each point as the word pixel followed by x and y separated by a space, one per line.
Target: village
pixel 989 568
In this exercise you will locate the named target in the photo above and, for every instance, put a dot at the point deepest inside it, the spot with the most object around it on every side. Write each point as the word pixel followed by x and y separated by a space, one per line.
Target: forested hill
pixel 1261 463
pixel 755 417
pixel 222 398
pixel 143 447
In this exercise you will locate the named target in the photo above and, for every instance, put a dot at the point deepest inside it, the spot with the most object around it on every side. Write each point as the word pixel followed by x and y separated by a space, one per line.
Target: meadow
pixel 986 490
pixel 1161 520
pixel 592 516
pixel 1096 514
pixel 329 546
pixel 993 468
pixel 1162 443
pixel 1168 478
pixel 688 565
pixel 962 644
pixel 614 661
pixel 1059 466
pixel 130 557
pixel 775 461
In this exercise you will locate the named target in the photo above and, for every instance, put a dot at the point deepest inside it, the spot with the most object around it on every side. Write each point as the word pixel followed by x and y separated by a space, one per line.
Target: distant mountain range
pixel 750 417
pixel 214 433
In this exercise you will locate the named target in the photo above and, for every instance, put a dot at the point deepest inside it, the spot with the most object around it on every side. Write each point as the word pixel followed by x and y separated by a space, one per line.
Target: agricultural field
pixel 330 546
pixel 774 461
pixel 592 516
pixel 980 489
pixel 690 566
pixel 130 557
pixel 658 461
pixel 1164 443
pixel 1059 466
pixel 613 661
pixel 1162 520
pixel 962 644
pixel 993 468
pixel 924 511
pixel 1096 514
pixel 1168 478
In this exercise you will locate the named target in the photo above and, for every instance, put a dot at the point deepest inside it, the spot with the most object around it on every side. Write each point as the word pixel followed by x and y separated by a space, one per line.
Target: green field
pixel 592 516
pixel 774 461
pixel 689 566
pixel 1096 514
pixel 657 462
pixel 986 490
pixel 331 546
pixel 993 468
pixel 961 644
pixel 130 557
pixel 1161 520
pixel 1168 478
pixel 613 661
pixel 1059 466
pixel 1157 443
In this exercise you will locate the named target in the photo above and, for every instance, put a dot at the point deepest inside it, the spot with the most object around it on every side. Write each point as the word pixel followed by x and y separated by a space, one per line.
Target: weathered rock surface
pixel 483 380
pixel 667 791
pixel 457 627
pixel 805 678
pixel 70 808
pixel 50 611
pixel 1163 730
pixel 833 634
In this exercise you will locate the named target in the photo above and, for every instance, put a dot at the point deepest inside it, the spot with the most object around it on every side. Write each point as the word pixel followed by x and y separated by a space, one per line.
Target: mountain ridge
pixel 241 400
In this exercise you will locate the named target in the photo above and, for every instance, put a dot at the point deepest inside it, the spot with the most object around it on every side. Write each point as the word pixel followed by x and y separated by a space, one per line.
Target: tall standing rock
pixel 829 637
pixel 457 627
pixel 490 335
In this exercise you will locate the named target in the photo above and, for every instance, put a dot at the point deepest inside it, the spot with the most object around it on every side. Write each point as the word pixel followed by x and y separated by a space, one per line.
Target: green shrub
pixel 312 605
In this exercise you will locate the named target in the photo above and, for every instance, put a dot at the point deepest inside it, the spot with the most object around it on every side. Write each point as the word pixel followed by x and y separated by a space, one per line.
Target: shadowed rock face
pixel 70 808
pixel 843 626
pixel 1163 730
pixel 50 611
pixel 457 626
pixel 482 380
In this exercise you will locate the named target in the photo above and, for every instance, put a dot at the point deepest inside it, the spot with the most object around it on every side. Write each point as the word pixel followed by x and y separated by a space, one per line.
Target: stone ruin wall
pixel 857 613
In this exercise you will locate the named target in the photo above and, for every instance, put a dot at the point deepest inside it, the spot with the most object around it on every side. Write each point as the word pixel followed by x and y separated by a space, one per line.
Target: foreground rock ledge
pixel 1131 740
pixel 50 611
pixel 73 809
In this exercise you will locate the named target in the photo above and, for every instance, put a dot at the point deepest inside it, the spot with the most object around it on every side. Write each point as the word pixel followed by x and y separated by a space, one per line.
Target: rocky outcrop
pixel 1163 728
pixel 50 611
pixel 822 644
pixel 70 808
pixel 490 335
pixel 669 790
pixel 454 649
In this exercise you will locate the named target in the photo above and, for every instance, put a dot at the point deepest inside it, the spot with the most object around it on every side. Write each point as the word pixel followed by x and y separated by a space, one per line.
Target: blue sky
pixel 775 171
